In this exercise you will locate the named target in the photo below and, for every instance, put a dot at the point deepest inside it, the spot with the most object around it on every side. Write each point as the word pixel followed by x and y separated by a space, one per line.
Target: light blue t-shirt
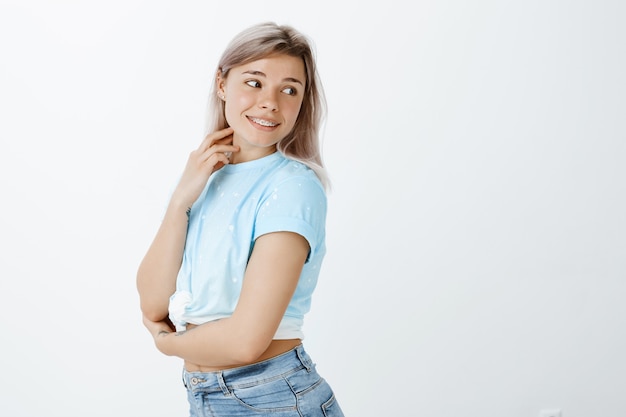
pixel 240 203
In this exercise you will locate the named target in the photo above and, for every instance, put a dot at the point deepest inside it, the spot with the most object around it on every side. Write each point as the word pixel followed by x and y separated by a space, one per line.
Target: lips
pixel 263 122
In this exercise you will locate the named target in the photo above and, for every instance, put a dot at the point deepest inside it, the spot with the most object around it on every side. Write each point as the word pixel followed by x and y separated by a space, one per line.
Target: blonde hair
pixel 303 142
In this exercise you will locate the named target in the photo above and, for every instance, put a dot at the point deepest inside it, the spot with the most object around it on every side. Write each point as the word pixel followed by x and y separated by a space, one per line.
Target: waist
pixel 276 348
pixel 267 370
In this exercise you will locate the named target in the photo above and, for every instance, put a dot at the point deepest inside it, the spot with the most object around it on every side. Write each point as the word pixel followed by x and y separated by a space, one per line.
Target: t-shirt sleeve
pixel 297 205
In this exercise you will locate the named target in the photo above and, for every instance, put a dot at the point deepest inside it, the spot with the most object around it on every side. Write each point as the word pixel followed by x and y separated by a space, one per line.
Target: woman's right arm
pixel 156 276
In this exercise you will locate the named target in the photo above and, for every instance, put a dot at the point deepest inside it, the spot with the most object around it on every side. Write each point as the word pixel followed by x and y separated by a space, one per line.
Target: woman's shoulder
pixel 293 183
pixel 293 171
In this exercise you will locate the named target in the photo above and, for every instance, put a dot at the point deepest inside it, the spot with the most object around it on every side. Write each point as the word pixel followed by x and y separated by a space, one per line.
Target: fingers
pixel 224 135
pixel 215 147
pixel 219 141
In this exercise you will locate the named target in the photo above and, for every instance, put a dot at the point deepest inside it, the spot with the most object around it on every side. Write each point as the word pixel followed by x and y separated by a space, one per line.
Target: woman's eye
pixel 290 90
pixel 253 83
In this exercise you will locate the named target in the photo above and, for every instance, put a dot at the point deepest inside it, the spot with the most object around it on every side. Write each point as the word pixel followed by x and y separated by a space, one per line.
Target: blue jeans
pixel 287 386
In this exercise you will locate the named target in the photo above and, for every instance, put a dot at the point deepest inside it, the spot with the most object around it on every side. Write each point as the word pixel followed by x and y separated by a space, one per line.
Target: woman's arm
pixel 269 283
pixel 156 277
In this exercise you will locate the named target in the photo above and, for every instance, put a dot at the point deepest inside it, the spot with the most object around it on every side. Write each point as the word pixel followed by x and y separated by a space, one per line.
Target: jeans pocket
pixel 272 396
pixel 331 408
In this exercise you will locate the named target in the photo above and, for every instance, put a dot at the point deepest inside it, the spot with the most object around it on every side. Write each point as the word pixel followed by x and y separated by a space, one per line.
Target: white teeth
pixel 263 122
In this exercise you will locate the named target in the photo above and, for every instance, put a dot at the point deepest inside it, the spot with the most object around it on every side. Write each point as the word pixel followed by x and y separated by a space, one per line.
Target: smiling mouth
pixel 263 122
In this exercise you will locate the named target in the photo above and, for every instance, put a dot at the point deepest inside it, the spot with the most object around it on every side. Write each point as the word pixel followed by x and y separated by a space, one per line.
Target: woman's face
pixel 262 100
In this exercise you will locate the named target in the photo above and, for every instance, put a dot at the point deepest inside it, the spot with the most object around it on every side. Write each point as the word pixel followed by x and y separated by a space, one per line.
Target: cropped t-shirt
pixel 240 203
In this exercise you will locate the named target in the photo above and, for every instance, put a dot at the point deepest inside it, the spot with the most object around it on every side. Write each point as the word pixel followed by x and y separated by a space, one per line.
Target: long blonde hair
pixel 303 142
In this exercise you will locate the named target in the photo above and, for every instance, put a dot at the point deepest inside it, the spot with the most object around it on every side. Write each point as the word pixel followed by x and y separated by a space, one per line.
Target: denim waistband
pixel 249 375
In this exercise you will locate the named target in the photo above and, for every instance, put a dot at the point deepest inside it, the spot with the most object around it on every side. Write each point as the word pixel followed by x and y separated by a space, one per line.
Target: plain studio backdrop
pixel 476 233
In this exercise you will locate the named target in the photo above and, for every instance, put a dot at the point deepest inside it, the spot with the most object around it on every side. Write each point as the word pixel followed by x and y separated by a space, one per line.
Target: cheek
pixel 234 107
pixel 292 111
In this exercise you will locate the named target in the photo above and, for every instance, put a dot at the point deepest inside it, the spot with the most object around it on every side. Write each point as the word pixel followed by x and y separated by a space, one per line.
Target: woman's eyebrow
pixel 260 73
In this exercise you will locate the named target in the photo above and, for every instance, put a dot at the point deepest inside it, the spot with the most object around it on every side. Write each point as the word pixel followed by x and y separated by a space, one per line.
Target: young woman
pixel 229 276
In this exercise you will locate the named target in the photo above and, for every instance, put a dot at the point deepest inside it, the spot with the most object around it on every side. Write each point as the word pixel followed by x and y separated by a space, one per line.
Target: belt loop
pixel 301 356
pixel 220 380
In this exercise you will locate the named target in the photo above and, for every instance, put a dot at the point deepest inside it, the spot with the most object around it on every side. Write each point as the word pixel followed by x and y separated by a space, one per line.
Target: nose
pixel 268 101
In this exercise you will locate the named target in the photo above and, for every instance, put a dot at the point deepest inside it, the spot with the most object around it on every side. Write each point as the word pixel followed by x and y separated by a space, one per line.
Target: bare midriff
pixel 275 348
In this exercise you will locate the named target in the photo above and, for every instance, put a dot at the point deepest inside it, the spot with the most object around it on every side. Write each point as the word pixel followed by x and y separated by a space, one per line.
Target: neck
pixel 247 154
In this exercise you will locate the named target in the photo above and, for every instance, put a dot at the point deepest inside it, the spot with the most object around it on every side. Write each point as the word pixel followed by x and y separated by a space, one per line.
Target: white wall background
pixel 477 236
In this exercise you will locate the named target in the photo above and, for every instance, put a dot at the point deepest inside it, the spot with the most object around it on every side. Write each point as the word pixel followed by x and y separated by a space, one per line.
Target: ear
pixel 220 83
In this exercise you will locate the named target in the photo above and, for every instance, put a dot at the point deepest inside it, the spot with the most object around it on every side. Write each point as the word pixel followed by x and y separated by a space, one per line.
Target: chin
pixel 262 142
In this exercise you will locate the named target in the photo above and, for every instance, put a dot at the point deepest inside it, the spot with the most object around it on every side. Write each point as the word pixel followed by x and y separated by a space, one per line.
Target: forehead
pixel 274 67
